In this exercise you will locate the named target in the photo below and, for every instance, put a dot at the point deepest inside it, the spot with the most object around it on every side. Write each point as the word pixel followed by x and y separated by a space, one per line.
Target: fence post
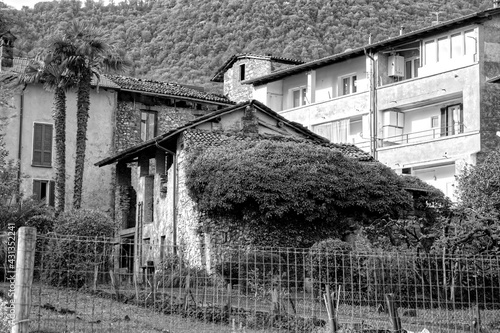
pixel 331 310
pixel 393 313
pixel 25 263
pixel 476 324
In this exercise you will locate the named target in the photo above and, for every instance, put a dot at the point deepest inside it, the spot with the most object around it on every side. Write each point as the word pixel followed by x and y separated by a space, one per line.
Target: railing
pixel 420 136
pixel 93 285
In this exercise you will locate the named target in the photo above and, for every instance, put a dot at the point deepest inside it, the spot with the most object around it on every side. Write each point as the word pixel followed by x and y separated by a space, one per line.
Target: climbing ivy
pixel 290 193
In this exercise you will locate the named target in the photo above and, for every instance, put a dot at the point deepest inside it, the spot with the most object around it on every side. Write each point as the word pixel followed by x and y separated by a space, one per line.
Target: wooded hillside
pixel 186 41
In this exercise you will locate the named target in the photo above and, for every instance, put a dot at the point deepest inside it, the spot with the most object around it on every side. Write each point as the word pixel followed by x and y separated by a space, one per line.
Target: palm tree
pixel 54 75
pixel 88 55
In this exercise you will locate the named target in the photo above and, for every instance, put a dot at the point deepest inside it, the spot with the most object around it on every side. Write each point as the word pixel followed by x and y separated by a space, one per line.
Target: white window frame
pixel 302 96
pixel 353 84
pixel 462 32
pixel 412 62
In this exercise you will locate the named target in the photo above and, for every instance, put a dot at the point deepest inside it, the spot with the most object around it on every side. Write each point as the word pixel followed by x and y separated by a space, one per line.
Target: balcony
pixel 422 136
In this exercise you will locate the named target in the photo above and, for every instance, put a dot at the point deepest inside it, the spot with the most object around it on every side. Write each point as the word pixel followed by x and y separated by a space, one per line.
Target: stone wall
pixel 128 117
pixel 233 88
pixel 490 92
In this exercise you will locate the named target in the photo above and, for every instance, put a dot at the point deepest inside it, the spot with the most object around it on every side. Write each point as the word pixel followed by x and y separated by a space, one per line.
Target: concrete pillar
pixel 311 87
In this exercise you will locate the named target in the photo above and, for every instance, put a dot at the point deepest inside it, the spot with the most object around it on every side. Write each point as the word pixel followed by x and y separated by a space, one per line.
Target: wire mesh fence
pixel 105 285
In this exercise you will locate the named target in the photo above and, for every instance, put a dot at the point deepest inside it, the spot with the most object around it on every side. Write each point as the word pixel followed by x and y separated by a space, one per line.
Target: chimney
pixel 6 49
pixel 401 30
pixel 250 122
pixel 496 3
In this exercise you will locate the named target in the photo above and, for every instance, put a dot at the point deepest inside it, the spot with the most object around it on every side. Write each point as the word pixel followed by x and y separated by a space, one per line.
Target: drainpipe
pixel 373 106
pixel 20 143
pixel 174 199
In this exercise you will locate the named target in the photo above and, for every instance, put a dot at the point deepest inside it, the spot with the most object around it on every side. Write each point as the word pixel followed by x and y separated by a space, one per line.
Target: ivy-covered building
pixel 166 218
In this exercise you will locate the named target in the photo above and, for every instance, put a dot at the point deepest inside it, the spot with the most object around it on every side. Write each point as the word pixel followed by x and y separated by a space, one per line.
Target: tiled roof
pixel 495 79
pixel 204 138
pixel 219 75
pixel 165 88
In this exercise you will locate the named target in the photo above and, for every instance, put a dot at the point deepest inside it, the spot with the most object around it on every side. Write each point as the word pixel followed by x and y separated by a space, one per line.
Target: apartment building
pixel 424 103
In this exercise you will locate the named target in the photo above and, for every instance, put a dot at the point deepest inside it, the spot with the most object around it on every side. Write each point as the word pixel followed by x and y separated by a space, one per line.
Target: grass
pixel 64 310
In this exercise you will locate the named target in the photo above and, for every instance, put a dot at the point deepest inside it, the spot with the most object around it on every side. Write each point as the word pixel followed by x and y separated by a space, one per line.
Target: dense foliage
pixel 474 225
pixel 186 41
pixel 292 192
pixel 73 261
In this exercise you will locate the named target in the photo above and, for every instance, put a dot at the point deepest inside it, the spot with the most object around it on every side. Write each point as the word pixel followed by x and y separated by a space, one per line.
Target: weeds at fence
pixel 265 289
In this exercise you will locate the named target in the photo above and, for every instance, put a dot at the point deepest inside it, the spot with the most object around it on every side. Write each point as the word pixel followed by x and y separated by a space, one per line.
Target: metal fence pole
pixel 25 263
pixel 393 313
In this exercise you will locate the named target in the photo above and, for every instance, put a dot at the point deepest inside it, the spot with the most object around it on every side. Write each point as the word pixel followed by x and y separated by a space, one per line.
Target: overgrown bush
pixel 78 248
pixel 174 272
pixel 254 271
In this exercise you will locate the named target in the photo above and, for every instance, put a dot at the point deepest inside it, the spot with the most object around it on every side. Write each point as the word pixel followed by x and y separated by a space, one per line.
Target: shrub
pixel 173 272
pixel 254 271
pixel 78 248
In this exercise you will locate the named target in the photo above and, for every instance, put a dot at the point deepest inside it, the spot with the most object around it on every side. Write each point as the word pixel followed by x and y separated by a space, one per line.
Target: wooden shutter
pixel 42 145
pixel 52 186
pixel 444 129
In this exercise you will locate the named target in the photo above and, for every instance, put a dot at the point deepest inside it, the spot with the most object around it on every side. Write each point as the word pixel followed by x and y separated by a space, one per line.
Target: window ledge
pixel 41 166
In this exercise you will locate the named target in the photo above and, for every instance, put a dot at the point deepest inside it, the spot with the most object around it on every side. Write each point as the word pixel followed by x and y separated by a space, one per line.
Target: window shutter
pixel 37 144
pixel 52 186
pixel 461 118
pixel 47 145
pixel 37 188
pixel 443 122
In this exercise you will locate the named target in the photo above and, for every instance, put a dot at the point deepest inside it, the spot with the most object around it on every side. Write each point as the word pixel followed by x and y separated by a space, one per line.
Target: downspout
pixel 174 196
pixel 373 107
pixel 20 143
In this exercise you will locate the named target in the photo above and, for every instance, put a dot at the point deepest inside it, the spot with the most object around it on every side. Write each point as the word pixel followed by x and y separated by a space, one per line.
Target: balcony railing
pixel 420 136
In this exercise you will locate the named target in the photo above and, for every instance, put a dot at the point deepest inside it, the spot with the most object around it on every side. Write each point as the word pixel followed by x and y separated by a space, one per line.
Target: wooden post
pixel 393 313
pixel 476 324
pixel 25 263
pixel 331 310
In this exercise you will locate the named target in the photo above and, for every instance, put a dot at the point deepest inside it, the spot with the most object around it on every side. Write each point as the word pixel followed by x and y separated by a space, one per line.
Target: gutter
pixel 20 142
pixel 373 106
pixel 229 103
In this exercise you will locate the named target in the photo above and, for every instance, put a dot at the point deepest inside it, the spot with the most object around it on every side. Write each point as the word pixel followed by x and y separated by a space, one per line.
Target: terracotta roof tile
pixel 203 139
pixel 219 75
pixel 165 88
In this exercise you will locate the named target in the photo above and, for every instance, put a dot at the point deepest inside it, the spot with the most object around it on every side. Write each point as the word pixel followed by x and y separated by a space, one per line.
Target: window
pixel 453 46
pixel 335 131
pixel 148 125
pixel 349 85
pixel 443 49
pixel 434 122
pixel 411 68
pixel 430 52
pixel 452 120
pixel 43 190
pixel 299 97
pixel 42 145
pixel 242 72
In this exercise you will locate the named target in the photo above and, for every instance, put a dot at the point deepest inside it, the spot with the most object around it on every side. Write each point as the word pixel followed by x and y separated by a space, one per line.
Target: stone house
pixel 420 102
pixel 166 218
pixel 124 111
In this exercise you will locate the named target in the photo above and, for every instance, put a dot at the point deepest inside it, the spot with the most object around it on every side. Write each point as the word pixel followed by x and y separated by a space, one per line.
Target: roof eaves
pixel 166 136
pixel 414 35
pixel 495 79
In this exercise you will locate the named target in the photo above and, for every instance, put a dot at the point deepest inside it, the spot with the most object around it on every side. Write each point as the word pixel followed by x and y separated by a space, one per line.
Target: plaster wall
pixel 38 103
pixel 354 105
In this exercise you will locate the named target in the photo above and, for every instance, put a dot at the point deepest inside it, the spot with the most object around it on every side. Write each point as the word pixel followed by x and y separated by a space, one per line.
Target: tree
pixel 55 76
pixel 473 227
pixel 290 193
pixel 87 54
